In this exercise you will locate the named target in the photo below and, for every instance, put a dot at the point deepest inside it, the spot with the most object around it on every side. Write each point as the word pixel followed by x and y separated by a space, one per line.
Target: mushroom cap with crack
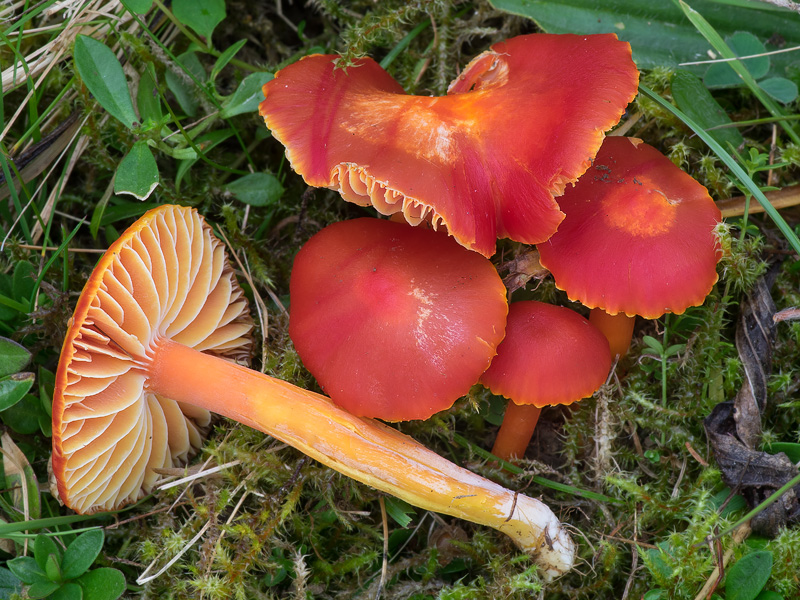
pixel 522 121
pixel 638 237
pixel 550 355
pixel 165 276
pixel 395 322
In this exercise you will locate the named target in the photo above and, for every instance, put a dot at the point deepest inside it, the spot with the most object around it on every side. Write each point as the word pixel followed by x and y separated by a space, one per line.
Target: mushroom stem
pixel 360 448
pixel 618 329
pixel 516 432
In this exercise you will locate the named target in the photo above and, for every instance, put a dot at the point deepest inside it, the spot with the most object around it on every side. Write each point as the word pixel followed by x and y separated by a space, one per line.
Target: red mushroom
pixel 550 355
pixel 394 322
pixel 522 121
pixel 638 239
pixel 148 353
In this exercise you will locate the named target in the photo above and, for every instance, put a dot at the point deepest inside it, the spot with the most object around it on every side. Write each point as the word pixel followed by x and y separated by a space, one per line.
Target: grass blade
pixel 512 468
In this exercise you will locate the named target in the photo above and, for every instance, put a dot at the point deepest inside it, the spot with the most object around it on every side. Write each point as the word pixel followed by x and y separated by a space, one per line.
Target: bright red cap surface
pixel 485 161
pixel 395 322
pixel 638 237
pixel 550 355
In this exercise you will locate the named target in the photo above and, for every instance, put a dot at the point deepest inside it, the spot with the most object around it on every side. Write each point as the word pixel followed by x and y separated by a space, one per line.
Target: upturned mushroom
pixel 522 121
pixel 551 355
pixel 394 322
pixel 148 353
pixel 638 239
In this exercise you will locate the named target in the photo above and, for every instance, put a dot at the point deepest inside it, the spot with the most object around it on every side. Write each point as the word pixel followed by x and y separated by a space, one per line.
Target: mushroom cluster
pixel 513 150
pixel 396 320
pixel 153 347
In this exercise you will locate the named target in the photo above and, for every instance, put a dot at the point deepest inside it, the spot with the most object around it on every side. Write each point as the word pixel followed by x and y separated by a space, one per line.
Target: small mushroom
pixel 394 322
pixel 150 350
pixel 522 121
pixel 551 355
pixel 638 239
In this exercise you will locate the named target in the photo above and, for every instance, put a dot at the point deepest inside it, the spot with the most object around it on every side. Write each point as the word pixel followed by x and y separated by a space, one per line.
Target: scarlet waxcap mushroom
pixel 111 429
pixel 395 322
pixel 522 121
pixel 128 375
pixel 638 237
pixel 550 355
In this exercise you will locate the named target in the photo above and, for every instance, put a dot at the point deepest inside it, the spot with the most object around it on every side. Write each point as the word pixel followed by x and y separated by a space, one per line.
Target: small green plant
pixel 51 573
pixel 745 44
pixel 14 382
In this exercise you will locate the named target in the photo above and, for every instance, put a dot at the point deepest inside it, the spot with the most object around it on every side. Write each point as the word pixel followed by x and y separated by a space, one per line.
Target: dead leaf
pixel 734 427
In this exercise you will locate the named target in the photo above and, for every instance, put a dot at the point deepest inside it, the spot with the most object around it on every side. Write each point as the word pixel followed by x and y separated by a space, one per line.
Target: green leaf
pixel 68 591
pixel 43 589
pixel 656 594
pixel 256 189
pixel 693 98
pixel 137 173
pixel 247 96
pixel 780 88
pixel 653 343
pixel 23 417
pixel 24 281
pixel 7 313
pixel 43 547
pixel 225 58
pixel 401 512
pixel 659 32
pixel 742 43
pixel 9 583
pixel 104 583
pixel 201 15
pixel 47 382
pixel 81 553
pixel 148 101
pixel 182 85
pixel 791 450
pixel 102 73
pixel 52 568
pixel 769 595
pixel 13 357
pixel 748 575
pixel 138 7
pixel 13 388
pixel 26 569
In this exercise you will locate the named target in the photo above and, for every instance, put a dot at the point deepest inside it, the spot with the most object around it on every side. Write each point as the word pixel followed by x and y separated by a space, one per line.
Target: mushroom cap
pixel 638 237
pixel 395 322
pixel 166 276
pixel 485 161
pixel 550 355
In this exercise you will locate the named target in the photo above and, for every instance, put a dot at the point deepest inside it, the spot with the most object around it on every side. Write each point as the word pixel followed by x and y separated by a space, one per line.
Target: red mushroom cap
pixel 524 119
pixel 395 322
pixel 638 237
pixel 550 355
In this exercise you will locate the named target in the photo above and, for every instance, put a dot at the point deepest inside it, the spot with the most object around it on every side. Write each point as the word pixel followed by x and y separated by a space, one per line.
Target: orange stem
pixel 364 449
pixel 516 432
pixel 618 329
